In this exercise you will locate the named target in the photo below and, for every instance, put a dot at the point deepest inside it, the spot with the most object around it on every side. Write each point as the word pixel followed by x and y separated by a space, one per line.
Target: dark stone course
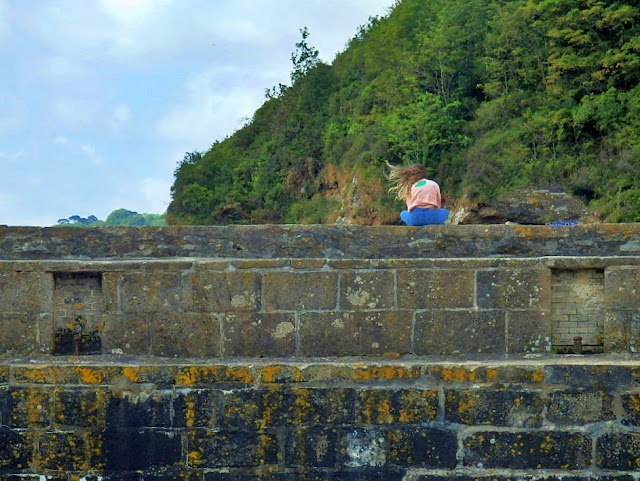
pixel 494 407
pixel 20 412
pixel 80 407
pixel 580 407
pixel 227 448
pixel 311 447
pixel 118 476
pixel 64 451
pixel 197 408
pixel 606 378
pixel 259 408
pixel 516 478
pixel 620 451
pixel 396 406
pixel 245 476
pixel 528 450
pixel 14 450
pixel 130 449
pixel 631 406
pixel 359 475
pixel 421 447
pixel 130 412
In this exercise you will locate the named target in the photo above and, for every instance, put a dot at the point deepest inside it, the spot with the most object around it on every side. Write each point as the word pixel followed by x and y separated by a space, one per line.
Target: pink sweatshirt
pixel 424 193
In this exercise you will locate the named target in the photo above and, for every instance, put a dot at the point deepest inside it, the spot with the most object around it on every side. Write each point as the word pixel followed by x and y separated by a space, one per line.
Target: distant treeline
pixel 490 95
pixel 117 217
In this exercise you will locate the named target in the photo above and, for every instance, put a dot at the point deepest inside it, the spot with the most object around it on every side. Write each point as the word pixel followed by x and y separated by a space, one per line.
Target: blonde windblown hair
pixel 404 177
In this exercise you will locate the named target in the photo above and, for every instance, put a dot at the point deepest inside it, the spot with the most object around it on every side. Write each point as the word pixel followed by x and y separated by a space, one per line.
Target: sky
pixel 101 99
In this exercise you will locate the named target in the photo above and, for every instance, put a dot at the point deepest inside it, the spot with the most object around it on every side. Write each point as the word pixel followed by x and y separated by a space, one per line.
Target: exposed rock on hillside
pixel 527 206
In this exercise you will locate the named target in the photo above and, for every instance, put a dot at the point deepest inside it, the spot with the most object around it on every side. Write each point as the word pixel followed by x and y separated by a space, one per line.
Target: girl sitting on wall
pixel 424 202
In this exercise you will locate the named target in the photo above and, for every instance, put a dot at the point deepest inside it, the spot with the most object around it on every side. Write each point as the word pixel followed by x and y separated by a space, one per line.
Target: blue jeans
pixel 420 216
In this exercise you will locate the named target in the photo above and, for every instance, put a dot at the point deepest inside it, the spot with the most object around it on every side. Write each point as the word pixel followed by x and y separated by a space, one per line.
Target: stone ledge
pixel 318 241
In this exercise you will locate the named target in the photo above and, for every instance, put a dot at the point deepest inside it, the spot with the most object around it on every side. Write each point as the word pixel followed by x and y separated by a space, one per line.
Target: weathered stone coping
pixel 577 370
pixel 232 264
pixel 318 241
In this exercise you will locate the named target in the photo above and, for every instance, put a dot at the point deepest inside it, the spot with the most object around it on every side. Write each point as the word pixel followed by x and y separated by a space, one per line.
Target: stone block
pixel 528 331
pixel 579 407
pixel 374 333
pixel 66 451
pixel 27 407
pixel 631 408
pixel 212 291
pixel 600 378
pixel 622 287
pixel 140 411
pixel 514 289
pixel 363 447
pixel 618 451
pixel 363 290
pixel 153 449
pixel 311 447
pixel 15 450
pixel 259 334
pixel 396 406
pixel 127 334
pixel 24 292
pixel 186 335
pixel 153 292
pixel 25 334
pixel 206 375
pixel 621 330
pixel 196 408
pixel 81 407
pixel 422 448
pixel 459 332
pixel 319 406
pixel 251 409
pixel 435 288
pixel 357 474
pixel 226 448
pixel 248 475
pixel 527 450
pixel 497 407
pixel 289 291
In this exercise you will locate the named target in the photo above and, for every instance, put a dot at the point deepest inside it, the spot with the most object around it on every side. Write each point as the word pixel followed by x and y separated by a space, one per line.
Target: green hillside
pixel 490 95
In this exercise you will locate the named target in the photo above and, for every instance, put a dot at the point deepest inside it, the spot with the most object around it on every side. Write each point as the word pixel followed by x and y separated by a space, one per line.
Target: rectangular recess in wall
pixel 78 308
pixel 577 308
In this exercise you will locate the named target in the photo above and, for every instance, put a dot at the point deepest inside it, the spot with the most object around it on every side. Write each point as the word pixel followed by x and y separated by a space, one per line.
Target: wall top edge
pixel 319 242
pixel 463 362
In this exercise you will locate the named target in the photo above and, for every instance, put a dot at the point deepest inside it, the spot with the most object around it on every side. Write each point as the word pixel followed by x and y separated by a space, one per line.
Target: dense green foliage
pixel 119 217
pixel 491 95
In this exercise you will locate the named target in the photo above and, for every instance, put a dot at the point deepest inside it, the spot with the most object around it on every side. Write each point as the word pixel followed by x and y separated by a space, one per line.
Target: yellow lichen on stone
pixel 238 374
pixel 89 375
pixel 383 372
pixel 457 374
pixel 131 373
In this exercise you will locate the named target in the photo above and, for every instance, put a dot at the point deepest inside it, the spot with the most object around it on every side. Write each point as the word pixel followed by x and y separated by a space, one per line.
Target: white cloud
pixel 90 151
pixel 9 124
pixel 60 140
pixel 63 69
pixel 120 118
pixel 5 26
pixel 74 111
pixel 6 156
pixel 212 108
pixel 156 194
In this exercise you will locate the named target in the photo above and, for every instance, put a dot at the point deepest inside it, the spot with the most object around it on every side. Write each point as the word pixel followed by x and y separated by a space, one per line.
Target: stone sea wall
pixel 574 419
pixel 287 353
